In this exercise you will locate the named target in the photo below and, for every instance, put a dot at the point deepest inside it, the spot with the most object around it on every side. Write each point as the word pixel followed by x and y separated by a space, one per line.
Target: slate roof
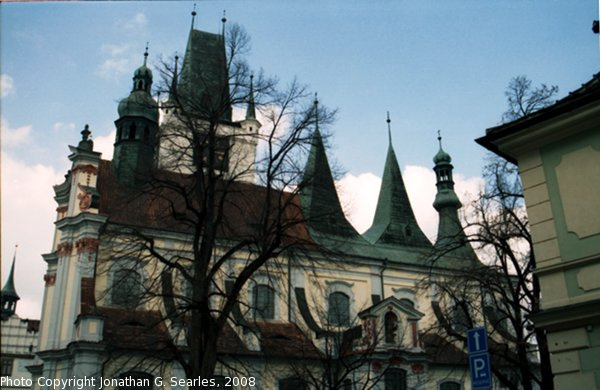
pixel 204 77
pixel 394 221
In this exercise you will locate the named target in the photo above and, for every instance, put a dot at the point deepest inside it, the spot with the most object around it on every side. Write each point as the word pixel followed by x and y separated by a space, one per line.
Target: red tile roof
pixel 162 205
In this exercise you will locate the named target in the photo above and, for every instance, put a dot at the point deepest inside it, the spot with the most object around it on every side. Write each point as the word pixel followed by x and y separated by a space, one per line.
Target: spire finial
pixel 194 16
pixel 146 54
pixel 316 112
pixel 389 127
pixel 223 20
pixel 439 137
pixel 85 134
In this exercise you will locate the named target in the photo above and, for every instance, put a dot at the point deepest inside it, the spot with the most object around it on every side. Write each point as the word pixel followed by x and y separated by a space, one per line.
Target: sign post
pixel 479 359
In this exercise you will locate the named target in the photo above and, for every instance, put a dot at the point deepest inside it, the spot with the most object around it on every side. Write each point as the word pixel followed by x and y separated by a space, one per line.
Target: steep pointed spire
pixel 204 80
pixel 394 222
pixel 251 110
pixel 9 294
pixel 451 236
pixel 320 202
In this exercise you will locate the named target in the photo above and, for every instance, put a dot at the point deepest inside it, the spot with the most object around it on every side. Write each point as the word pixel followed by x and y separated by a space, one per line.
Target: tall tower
pixel 450 237
pixel 137 129
pixel 9 295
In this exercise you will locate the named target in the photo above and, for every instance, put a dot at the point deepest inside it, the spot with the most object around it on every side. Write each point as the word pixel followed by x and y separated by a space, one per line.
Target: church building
pixel 329 308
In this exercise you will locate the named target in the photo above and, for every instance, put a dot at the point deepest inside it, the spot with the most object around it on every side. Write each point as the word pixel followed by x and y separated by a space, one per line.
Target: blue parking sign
pixel 477 340
pixel 481 375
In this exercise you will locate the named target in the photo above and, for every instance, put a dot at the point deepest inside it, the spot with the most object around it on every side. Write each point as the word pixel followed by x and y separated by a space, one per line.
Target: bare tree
pixel 503 293
pixel 523 99
pixel 224 228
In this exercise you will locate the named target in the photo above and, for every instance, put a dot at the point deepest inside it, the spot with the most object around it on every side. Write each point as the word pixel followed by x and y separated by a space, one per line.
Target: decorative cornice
pixel 87 245
pixel 87 168
pixel 64 249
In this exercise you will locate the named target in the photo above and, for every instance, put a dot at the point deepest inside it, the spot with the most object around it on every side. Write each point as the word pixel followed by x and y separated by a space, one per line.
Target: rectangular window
pixel 7 366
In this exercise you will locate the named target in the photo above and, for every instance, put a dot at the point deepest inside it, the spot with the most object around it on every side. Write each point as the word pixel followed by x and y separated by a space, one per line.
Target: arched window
pixel 263 302
pixel 450 385
pixel 132 128
pixel 146 133
pixel 293 383
pixel 137 381
pixel 391 327
pixel 126 288
pixel 339 309
pixel 395 379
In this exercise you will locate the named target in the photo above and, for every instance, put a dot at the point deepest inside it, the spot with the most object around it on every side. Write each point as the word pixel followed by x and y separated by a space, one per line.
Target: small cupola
pixel 140 103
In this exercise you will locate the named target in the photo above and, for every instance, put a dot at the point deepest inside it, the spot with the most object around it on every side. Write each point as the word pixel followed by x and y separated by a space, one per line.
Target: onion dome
pixel 140 102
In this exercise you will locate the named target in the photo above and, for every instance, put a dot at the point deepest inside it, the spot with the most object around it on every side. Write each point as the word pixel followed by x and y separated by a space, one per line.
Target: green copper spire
pixel 394 222
pixel 320 202
pixel 204 81
pixel 451 236
pixel 9 294
pixel 140 102
pixel 251 110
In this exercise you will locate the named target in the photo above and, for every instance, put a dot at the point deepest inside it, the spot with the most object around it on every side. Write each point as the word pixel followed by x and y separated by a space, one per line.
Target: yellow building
pixel 557 150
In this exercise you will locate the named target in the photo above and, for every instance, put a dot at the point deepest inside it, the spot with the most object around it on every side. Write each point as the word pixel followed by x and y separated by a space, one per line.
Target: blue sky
pixel 433 65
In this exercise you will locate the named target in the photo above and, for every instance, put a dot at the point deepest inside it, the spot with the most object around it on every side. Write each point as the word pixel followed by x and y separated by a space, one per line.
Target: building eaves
pixel 588 93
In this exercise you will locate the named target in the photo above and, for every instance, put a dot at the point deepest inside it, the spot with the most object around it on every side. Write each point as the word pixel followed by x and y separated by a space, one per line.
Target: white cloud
pixel 27 220
pixel 7 85
pixel 13 136
pixel 105 145
pixel 64 127
pixel 114 50
pixel 112 68
pixel 136 23
pixel 359 194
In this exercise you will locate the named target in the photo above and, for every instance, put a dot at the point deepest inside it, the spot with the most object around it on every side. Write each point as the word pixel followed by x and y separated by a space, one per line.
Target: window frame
pixel 270 310
pixel 337 317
